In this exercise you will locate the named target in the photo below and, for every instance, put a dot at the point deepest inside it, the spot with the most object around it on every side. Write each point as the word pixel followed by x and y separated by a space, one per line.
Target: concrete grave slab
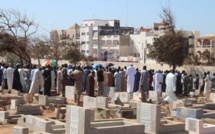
pixel 89 102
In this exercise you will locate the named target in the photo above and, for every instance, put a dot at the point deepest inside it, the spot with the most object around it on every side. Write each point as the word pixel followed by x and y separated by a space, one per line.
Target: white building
pixel 140 42
pixel 102 37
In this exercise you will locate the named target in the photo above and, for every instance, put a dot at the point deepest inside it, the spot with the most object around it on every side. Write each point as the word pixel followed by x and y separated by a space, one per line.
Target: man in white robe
pixel 158 80
pixel 22 79
pixel 9 73
pixel 207 84
pixel 130 73
pixel 59 77
pixel 170 87
pixel 35 83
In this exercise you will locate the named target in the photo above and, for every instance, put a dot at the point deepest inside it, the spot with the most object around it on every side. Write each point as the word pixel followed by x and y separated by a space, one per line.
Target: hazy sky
pixel 61 14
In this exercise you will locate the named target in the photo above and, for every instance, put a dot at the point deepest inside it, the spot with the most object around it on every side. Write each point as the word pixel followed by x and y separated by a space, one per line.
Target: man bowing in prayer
pixel 130 73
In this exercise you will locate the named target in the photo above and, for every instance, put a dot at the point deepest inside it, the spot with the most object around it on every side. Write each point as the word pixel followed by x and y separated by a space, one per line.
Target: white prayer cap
pixel 131 64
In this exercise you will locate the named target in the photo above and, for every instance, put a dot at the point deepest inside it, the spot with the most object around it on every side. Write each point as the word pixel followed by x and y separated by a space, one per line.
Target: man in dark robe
pixel 137 80
pixel 47 81
pixel 178 84
pixel 65 81
pixel 90 84
pixel 16 79
pixel 186 84
pixel 87 71
pixel 109 78
pixel 164 81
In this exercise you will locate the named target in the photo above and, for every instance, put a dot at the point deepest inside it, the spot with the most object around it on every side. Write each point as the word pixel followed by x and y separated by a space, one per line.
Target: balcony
pixel 206 46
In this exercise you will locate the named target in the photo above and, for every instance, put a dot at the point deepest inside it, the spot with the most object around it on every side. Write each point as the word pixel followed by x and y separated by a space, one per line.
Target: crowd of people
pixel 92 81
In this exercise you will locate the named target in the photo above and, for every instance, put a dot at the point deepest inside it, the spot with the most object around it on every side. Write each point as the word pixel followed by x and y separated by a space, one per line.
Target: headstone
pixel 154 96
pixel 197 92
pixel 20 130
pixel 183 112
pixel 43 100
pixel 136 96
pixel 101 102
pixel 192 124
pixel 3 115
pixel 149 115
pixel 89 102
pixel 212 96
pixel 125 97
pixel 78 120
pixel 69 92
pixel 14 104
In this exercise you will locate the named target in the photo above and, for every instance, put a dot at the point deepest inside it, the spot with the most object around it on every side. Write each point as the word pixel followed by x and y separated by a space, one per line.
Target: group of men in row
pixel 86 79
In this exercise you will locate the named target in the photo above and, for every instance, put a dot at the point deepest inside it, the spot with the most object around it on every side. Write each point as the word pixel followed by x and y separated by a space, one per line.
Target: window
pixel 109 42
pixel 85 24
pixel 95 41
pixel 87 42
pixel 83 42
pixel 68 35
pixel 82 34
pixel 83 51
pixel 87 51
pixel 115 42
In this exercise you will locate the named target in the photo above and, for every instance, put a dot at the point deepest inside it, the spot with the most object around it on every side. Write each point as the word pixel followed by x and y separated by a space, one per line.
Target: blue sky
pixel 61 14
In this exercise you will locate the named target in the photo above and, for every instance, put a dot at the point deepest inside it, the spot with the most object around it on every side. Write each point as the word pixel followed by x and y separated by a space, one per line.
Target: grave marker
pixel 69 92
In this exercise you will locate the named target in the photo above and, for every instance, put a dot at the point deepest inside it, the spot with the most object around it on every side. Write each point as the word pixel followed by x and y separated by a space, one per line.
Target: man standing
pixel 123 81
pixel 137 80
pixel 100 78
pixel 90 84
pixel 35 84
pixel 130 78
pixel 9 74
pixel 117 81
pixel 144 83
pixel 22 79
pixel 207 84
pixel 27 74
pixel 78 75
pixel 16 79
pixel 170 87
pixel 158 79
pixel 186 82
pixel 47 81
pixel 64 80
pixel 109 78
pixel 87 72
pixel 196 82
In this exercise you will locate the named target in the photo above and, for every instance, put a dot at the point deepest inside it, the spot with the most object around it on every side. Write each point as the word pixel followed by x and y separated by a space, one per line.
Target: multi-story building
pixel 64 39
pixel 140 42
pixel 203 43
pixel 101 38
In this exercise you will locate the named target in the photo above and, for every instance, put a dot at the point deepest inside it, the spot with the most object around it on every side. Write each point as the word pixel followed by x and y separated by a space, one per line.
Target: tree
pixel 39 48
pixel 73 55
pixel 16 29
pixel 170 48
